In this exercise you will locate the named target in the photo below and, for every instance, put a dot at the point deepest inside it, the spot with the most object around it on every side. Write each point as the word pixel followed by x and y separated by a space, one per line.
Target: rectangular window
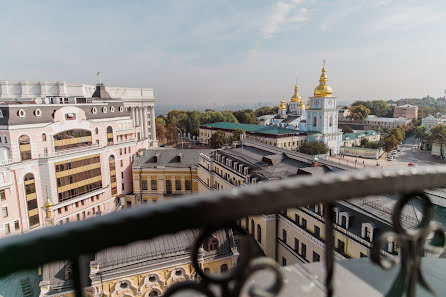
pixel 303 251
pixel 304 223
pixel 344 221
pixel 16 225
pixel 317 231
pixel 296 245
pixel 2 195
pixel 284 235
pixel 314 121
pixel 78 217
pixel 316 257
pixel 154 186
pixel 178 185
pixel 144 185
pixel 129 204
pixel 341 246
pixel 7 229
pixel 168 187
pixel 297 219
pixel 123 186
pixel 122 163
pixel 122 174
pixel 283 261
pixel 5 211
pixel 188 185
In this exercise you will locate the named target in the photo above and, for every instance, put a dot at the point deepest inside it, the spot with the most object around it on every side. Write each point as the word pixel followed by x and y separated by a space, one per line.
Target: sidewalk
pixel 356 162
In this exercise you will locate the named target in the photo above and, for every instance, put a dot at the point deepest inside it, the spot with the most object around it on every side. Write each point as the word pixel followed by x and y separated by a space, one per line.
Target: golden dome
pixel 323 90
pixel 48 203
pixel 282 105
pixel 308 104
pixel 301 105
pixel 296 97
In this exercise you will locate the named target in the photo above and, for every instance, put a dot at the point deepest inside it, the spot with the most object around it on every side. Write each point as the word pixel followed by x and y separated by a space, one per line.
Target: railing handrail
pixel 81 238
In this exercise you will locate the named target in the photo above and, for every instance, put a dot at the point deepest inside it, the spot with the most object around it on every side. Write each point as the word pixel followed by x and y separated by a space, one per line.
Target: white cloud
pixel 408 18
pixel 285 16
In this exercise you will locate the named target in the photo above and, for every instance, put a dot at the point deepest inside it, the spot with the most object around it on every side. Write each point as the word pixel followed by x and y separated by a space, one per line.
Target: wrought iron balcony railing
pixel 218 210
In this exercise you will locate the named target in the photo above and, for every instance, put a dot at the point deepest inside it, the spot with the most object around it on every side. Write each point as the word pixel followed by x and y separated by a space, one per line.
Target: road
pixel 409 153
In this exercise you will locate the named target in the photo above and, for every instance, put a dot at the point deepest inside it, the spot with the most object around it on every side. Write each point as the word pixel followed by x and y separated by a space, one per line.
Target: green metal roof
pixel 252 128
pixel 352 136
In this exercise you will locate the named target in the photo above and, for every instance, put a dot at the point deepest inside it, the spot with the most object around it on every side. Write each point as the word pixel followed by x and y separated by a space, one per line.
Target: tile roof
pixel 251 128
pixel 355 135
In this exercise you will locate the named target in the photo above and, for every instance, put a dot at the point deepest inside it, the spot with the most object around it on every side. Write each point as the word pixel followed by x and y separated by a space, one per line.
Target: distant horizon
pixel 238 51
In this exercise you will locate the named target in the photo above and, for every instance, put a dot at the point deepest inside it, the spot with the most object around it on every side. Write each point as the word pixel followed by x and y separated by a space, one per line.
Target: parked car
pixel 411 164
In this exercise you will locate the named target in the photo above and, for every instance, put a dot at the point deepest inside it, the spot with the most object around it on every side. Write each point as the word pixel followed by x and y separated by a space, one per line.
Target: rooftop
pixel 356 135
pixel 168 158
pixel 272 130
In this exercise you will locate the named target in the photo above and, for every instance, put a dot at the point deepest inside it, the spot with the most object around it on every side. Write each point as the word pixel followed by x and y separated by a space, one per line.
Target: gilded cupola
pixel 323 90
pixel 296 97
pixel 282 105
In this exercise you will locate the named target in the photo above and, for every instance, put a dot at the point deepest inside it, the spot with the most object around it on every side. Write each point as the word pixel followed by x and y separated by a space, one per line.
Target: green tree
pixel 359 112
pixel 264 110
pixel 217 139
pixel 246 116
pixel 236 134
pixel 160 124
pixel 380 108
pixel 372 145
pixel 364 142
pixel 420 133
pixel 399 133
pixel 314 148
pixel 347 129
pixel 437 134
pixel 390 142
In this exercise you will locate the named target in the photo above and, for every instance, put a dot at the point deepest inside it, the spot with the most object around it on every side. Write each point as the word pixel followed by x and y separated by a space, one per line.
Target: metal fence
pixel 218 210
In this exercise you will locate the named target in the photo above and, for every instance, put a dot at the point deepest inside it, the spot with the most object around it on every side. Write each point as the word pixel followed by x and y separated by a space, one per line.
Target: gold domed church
pixel 318 118
pixel 322 116
pixel 291 116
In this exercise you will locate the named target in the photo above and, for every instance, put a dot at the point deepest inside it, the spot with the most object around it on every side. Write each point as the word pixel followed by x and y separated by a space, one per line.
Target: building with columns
pixel 66 150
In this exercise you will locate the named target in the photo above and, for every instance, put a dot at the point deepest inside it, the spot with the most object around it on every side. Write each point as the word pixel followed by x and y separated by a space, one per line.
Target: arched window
pixel 153 293
pixel 252 226
pixel 25 147
pixel 21 113
pixel 31 200
pixel 259 233
pixel 43 137
pixel 71 139
pixel 96 130
pixel 112 167
pixel 109 135
pixel 211 244
pixel 224 268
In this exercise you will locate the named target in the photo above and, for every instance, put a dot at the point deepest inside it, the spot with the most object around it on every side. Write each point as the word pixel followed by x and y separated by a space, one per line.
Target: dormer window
pixel 367 232
pixel 94 110
pixel 343 220
pixel 38 112
pixel 104 109
pixel 70 116
pixel 319 209
pixel 21 113
pixel 112 109
pixel 121 108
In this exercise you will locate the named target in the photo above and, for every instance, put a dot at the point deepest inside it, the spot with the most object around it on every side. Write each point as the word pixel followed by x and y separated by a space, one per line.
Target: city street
pixel 409 153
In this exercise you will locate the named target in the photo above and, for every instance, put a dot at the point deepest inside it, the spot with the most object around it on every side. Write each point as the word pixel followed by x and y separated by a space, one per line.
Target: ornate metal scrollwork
pixel 412 245
pixel 231 283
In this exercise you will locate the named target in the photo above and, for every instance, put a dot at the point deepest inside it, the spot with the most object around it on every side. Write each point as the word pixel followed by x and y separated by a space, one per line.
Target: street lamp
pixel 182 140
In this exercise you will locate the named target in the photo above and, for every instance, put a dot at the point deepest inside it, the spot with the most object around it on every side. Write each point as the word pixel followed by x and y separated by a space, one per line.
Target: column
pixel 152 123
pixel 146 126
pixel 141 122
pixel 133 116
pixel 136 116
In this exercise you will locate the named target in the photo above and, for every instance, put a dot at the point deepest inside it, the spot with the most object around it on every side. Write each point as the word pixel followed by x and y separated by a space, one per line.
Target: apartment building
pixel 272 135
pixel 163 173
pixel 296 235
pixel 65 157
pixel 406 111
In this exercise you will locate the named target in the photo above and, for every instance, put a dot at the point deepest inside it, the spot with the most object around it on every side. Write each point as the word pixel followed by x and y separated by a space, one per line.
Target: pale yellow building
pixel 144 268
pixel 163 174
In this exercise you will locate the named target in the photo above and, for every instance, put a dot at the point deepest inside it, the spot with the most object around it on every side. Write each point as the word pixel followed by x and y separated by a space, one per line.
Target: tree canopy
pixel 236 134
pixel 438 133
pixel 217 139
pixel 314 148
pixel 359 112
pixel 347 129
pixel 380 108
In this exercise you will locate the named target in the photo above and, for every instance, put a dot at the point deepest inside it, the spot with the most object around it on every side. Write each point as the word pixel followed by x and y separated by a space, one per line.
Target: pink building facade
pixel 68 158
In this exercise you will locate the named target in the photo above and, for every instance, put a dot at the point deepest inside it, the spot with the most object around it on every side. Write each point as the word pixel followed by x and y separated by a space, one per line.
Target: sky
pixel 201 51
